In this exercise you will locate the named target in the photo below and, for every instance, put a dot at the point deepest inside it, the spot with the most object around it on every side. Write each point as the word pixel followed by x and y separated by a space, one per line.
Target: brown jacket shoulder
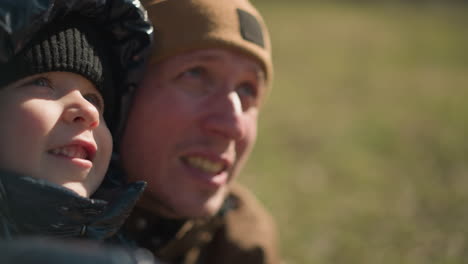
pixel 248 233
pixel 245 233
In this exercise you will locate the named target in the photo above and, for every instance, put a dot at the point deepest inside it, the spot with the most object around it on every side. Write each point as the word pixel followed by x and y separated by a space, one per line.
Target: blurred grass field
pixel 362 151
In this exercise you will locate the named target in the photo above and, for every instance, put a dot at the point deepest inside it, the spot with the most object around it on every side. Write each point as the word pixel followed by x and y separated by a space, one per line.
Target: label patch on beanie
pixel 250 28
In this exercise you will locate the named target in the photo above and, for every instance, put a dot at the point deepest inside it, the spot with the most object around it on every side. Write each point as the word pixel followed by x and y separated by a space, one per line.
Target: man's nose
pixel 78 110
pixel 226 117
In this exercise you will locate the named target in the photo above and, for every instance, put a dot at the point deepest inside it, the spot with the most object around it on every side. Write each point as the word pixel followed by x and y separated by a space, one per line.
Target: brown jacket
pixel 245 233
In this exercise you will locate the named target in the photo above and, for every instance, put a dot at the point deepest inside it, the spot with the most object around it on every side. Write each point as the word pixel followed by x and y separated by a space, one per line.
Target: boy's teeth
pixel 71 151
pixel 205 164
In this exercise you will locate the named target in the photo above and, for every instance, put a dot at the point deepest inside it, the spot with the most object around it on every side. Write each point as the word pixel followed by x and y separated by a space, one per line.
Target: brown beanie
pixel 184 25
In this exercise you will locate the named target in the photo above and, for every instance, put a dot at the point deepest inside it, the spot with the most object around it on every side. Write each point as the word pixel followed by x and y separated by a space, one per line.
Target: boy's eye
pixel 96 100
pixel 41 81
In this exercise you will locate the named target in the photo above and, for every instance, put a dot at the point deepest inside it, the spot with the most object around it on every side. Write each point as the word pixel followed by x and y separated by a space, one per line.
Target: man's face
pixel 191 128
pixel 51 128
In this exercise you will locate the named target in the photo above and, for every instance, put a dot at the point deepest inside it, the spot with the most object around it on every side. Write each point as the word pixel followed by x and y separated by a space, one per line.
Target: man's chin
pixel 211 207
pixel 192 213
pixel 183 212
pixel 200 211
pixel 188 208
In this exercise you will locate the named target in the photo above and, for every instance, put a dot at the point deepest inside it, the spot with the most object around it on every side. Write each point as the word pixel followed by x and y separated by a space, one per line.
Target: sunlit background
pixel 362 154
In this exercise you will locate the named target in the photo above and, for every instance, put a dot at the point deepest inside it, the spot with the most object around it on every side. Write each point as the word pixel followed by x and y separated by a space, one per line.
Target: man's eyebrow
pixel 257 70
pixel 260 73
pixel 206 57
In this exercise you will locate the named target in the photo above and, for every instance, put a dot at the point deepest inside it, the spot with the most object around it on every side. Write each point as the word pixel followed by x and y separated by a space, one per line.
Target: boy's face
pixel 51 127
pixel 192 125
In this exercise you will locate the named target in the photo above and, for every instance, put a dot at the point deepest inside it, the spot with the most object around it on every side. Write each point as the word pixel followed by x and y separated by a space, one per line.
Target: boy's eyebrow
pixel 27 79
pixel 19 83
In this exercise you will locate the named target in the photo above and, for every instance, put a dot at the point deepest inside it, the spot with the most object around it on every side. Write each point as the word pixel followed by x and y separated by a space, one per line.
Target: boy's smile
pixel 80 152
pixel 51 127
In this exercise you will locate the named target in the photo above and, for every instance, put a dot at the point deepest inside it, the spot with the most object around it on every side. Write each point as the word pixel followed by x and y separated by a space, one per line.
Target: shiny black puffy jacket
pixel 35 207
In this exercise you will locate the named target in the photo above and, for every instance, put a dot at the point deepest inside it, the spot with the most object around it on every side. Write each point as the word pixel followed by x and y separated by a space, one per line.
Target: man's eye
pixel 194 72
pixel 247 89
pixel 248 93
pixel 96 100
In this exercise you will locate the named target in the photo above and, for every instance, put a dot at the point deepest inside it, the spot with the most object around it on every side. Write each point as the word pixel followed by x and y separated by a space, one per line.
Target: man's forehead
pixel 223 56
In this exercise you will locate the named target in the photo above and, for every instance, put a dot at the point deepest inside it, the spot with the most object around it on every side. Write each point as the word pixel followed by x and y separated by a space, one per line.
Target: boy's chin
pixel 79 188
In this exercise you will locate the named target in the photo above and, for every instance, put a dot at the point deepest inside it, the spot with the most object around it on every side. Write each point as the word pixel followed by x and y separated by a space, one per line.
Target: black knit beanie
pixel 69 45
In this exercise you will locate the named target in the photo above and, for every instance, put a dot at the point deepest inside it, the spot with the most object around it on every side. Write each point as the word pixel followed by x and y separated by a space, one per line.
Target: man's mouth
pixel 73 151
pixel 204 164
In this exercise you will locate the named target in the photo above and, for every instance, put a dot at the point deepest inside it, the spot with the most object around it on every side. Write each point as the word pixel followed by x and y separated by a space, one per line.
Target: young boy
pixel 55 146
pixel 51 122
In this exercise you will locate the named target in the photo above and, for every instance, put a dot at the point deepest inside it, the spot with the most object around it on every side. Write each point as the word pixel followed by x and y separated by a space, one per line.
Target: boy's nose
pixel 81 111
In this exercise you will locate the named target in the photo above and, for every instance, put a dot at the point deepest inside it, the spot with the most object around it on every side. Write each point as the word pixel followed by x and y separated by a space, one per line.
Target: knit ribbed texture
pixel 66 46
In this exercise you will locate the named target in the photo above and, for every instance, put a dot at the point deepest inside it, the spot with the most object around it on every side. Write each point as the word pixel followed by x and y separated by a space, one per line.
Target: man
pixel 191 127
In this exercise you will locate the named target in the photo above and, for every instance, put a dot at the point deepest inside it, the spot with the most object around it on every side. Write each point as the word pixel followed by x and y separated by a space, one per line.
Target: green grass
pixel 362 154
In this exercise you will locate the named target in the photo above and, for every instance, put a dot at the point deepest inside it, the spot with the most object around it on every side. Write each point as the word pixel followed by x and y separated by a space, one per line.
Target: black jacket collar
pixel 30 206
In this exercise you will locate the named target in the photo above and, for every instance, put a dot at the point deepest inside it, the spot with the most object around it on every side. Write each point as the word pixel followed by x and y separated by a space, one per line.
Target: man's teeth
pixel 205 164
pixel 71 151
